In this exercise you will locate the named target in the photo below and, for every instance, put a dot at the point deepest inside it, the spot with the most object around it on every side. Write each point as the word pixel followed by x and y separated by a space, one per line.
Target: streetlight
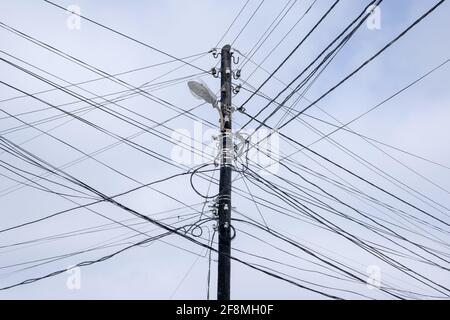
pixel 201 91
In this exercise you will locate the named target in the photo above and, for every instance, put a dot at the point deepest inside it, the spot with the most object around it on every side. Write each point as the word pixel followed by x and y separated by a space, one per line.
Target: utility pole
pixel 224 200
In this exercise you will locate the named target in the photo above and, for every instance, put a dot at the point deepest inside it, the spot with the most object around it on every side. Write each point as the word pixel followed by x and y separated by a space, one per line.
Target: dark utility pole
pixel 224 210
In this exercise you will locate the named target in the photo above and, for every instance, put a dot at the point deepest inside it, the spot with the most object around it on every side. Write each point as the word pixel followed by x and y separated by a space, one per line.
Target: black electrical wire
pixel 371 198
pixel 104 244
pixel 206 197
pixel 266 34
pixel 366 216
pixel 232 23
pixel 93 202
pixel 336 126
pixel 95 70
pixel 293 184
pixel 173 231
pixel 289 252
pixel 357 176
pixel 358 21
pixel 303 188
pixel 124 35
pixel 382 173
pixel 11 168
pixel 294 50
pixel 208 277
pixel 248 21
pixel 119 172
pixel 84 231
pixel 364 64
pixel 103 78
pixel 352 238
pixel 258 65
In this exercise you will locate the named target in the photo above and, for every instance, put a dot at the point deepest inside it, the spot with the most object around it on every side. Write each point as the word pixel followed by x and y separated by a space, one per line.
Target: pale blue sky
pixel 416 121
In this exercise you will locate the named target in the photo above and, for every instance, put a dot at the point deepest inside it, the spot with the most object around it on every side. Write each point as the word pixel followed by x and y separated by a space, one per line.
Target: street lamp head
pixel 200 90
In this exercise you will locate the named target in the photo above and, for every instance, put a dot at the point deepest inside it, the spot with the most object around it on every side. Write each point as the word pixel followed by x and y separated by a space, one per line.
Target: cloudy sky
pixel 403 149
